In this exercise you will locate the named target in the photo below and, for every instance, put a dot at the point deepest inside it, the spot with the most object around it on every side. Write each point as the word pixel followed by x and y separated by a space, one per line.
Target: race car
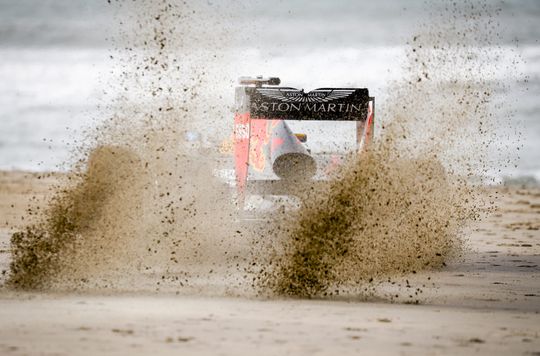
pixel 269 158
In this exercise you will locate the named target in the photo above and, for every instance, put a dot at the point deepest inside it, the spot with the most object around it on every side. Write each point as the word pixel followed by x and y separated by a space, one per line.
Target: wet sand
pixel 487 302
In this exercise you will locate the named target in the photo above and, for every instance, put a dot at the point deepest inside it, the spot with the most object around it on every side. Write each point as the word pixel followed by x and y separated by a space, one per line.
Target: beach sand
pixel 486 302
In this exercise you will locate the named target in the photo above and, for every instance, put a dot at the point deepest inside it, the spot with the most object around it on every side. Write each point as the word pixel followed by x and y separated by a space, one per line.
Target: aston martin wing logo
pixel 315 96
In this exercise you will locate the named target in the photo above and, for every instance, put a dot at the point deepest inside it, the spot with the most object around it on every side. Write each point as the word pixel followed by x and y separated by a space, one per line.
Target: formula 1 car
pixel 269 158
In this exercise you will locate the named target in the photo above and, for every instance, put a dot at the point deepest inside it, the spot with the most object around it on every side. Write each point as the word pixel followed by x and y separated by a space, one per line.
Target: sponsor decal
pixel 319 104
pixel 311 107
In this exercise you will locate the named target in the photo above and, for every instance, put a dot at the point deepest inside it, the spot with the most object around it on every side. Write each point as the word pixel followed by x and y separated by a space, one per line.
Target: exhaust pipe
pixel 290 159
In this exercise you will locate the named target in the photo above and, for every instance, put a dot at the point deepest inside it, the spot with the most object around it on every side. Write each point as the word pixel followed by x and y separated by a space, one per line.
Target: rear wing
pixel 261 99
pixel 258 98
pixel 328 104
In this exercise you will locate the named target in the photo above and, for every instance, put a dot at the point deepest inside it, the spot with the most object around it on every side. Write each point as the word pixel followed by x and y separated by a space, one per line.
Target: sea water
pixel 55 61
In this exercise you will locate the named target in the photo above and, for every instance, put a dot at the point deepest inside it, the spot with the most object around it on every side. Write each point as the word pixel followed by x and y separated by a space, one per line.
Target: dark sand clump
pixel 400 207
pixel 81 221
pixel 141 208
pixel 378 219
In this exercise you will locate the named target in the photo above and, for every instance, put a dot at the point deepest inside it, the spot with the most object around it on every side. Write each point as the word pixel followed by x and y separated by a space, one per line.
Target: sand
pixel 486 302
